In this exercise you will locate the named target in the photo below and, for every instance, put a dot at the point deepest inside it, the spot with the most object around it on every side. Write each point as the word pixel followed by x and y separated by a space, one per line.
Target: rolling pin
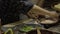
pixel 36 11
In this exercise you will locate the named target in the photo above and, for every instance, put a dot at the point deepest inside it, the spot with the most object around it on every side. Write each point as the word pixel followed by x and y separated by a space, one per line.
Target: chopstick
pixel 37 28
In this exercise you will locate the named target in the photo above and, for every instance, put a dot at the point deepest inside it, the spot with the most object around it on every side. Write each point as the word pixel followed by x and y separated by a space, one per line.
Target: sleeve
pixel 27 6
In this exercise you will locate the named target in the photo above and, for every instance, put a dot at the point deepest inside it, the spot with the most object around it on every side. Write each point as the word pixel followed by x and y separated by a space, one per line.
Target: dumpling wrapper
pixel 57 7
pixel 47 22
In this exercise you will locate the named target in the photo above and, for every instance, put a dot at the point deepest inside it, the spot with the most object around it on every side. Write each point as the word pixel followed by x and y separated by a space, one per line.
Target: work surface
pixel 55 28
pixel 29 21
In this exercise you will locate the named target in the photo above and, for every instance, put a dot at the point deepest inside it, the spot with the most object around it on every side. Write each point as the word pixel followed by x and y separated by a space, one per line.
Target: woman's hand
pixel 36 11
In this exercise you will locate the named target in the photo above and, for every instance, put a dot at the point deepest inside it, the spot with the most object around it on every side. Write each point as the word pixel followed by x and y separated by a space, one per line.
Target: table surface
pixel 53 29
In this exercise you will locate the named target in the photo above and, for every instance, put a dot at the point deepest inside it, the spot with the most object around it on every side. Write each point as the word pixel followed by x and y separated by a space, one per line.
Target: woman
pixel 11 9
